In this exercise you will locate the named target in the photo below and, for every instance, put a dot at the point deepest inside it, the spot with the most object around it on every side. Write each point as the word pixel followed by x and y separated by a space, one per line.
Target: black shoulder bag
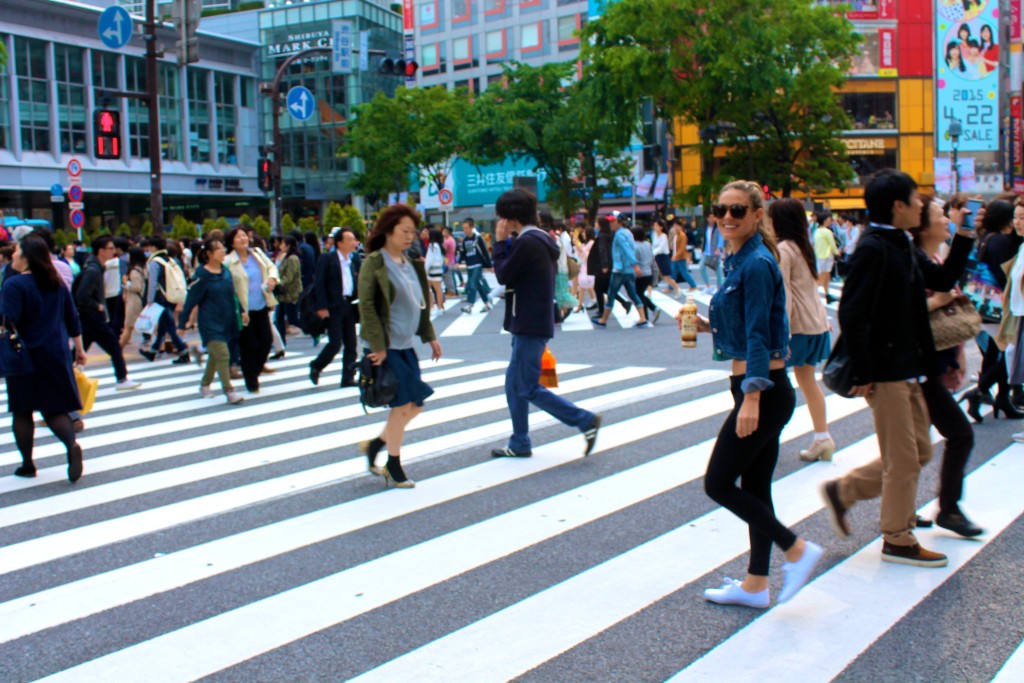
pixel 838 372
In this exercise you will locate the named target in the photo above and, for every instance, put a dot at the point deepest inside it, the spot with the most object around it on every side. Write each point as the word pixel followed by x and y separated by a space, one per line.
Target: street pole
pixel 954 131
pixel 670 142
pixel 156 199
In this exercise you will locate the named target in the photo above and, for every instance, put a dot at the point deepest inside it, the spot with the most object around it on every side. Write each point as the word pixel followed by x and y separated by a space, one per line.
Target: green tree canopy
pixel 758 77
pixel 416 131
pixel 567 128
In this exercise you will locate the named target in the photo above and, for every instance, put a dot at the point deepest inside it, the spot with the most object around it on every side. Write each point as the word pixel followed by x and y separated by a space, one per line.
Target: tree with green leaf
pixel 3 57
pixel 418 132
pixel 333 217
pixel 759 78
pixel 287 224
pixel 575 137
pixel 262 226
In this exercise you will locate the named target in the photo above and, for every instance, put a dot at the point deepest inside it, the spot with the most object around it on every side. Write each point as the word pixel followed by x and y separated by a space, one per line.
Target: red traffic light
pixel 767 191
pixel 411 67
pixel 107 133
pixel 265 174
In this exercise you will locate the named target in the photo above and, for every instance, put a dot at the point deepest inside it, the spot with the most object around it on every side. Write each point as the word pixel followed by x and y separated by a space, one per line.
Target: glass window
pixel 865 165
pixel 494 6
pixel 171 143
pixel 227 118
pixel 460 10
pixel 70 98
pixel 104 70
pixel 33 94
pixel 247 94
pixel 198 114
pixel 568 2
pixel 495 42
pixel 866 62
pixel 5 114
pixel 461 49
pixel 567 28
pixel 428 55
pixel 871 110
pixel 529 36
pixel 138 110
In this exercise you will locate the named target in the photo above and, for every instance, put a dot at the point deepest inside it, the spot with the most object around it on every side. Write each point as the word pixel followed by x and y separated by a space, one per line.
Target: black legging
pixel 642 283
pixel 25 432
pixel 752 460
pixel 951 423
pixel 254 342
pixel 601 283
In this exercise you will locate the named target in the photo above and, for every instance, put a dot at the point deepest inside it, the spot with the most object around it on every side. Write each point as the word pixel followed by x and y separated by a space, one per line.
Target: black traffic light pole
pixel 275 147
pixel 156 193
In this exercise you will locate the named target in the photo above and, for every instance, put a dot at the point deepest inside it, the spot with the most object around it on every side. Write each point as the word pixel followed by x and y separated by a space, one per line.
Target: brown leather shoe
pixel 236 373
pixel 267 370
pixel 836 509
pixel 913 555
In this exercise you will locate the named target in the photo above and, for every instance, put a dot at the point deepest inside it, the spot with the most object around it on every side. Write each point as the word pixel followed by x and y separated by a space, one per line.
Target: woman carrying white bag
pixel 134 292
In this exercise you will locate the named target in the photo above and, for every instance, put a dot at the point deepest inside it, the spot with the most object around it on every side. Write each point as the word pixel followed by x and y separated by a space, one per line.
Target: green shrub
pixel 262 227
pixel 147 229
pixel 287 224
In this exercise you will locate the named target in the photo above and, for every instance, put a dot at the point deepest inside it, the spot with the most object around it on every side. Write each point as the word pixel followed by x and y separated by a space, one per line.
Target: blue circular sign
pixel 301 103
pixel 77 219
pixel 75 193
pixel 115 27
pixel 56 190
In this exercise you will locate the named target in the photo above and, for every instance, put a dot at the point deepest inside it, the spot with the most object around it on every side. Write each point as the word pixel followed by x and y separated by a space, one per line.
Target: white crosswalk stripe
pixel 185 497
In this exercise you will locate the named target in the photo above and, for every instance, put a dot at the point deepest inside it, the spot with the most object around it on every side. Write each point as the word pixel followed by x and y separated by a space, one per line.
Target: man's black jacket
pixel 893 341
pixel 88 288
pixel 327 286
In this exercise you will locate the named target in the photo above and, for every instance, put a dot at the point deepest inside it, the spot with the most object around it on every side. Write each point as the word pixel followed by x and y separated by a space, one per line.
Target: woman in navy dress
pixel 40 308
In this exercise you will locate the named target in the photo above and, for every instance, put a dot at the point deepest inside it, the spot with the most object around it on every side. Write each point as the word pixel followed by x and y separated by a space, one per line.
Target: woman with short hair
pixel 393 309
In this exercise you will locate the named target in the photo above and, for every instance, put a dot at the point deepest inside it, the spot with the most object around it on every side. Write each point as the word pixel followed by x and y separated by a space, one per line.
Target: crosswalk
pixel 242 543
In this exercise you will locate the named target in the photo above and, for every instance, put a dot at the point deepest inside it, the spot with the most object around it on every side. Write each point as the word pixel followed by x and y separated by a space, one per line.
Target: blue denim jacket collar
pixel 734 261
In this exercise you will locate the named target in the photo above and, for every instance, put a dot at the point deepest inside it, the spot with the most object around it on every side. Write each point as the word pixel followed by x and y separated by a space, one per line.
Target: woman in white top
pixel 810 342
pixel 583 241
pixel 435 266
pixel 662 255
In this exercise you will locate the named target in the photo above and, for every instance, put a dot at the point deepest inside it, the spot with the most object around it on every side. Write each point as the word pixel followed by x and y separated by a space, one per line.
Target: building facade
pixel 314 167
pixel 59 73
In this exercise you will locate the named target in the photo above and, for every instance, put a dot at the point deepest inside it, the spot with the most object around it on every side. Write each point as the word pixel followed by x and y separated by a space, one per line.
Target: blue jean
pixel 165 326
pixel 627 280
pixel 522 387
pixel 681 272
pixel 704 273
pixel 475 283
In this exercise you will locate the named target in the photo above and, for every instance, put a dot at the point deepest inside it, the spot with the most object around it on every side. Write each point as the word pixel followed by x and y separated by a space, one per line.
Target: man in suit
pixel 334 294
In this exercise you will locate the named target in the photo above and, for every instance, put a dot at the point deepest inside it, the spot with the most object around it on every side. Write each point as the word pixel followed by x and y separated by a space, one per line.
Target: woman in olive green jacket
pixel 289 268
pixel 393 309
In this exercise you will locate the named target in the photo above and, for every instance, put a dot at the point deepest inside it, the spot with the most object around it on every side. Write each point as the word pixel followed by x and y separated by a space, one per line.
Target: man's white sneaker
pixel 127 384
pixel 233 398
pixel 732 593
pixel 205 391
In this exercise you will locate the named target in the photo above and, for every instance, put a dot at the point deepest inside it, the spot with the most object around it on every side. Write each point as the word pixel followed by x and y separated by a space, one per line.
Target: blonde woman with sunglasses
pixel 749 328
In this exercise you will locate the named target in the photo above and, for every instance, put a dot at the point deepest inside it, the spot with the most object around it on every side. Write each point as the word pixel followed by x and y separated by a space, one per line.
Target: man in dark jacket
pixel 92 311
pixel 526 266
pixel 886 332
pixel 473 253
pixel 334 294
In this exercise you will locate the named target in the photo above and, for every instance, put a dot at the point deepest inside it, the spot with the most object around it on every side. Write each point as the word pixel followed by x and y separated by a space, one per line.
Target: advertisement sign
pixel 967 82
pixel 944 175
pixel 364 50
pixel 1015 19
pixel 480 185
pixel 341 49
pixel 408 16
pixel 887 52
pixel 1016 137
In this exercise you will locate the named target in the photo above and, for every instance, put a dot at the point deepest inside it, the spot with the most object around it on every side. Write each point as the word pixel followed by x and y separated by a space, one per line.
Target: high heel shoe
pixel 1002 405
pixel 370 449
pixel 973 399
pixel 392 477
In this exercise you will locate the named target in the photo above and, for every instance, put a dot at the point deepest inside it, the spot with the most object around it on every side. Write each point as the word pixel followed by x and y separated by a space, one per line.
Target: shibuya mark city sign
pixel 297 42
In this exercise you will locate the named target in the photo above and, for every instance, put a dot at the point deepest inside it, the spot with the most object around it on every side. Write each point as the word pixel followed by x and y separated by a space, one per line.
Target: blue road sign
pixel 300 103
pixel 115 27
pixel 75 193
pixel 56 189
pixel 77 219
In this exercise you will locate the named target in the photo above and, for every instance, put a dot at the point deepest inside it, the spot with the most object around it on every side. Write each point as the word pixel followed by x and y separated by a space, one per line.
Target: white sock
pixel 821 436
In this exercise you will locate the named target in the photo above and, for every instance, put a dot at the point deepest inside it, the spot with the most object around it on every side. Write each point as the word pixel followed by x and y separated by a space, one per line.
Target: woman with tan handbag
pixel 254 276
pixel 133 289
pixel 943 410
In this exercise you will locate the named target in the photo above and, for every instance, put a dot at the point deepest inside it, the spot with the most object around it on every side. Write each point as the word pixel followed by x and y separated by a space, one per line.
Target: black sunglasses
pixel 737 210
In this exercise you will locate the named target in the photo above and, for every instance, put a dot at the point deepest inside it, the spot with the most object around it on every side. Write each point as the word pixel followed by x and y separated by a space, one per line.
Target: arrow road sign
pixel 74 168
pixel 300 103
pixel 115 27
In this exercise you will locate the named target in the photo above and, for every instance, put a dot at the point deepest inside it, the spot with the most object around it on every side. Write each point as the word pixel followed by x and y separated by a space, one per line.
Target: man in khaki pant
pixel 886 332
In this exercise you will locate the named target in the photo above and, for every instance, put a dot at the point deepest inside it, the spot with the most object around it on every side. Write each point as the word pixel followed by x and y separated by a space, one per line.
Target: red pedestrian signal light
pixel 106 125
pixel 265 174
pixel 767 191
pixel 411 67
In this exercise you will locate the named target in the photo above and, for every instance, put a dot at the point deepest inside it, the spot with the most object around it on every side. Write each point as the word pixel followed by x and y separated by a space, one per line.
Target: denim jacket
pixel 748 313
pixel 623 251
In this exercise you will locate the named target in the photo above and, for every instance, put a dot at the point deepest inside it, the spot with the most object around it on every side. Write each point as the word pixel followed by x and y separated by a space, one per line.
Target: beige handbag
pixel 955 323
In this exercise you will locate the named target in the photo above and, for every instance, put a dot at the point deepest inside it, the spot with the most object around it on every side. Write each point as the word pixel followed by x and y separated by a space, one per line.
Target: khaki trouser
pixel 218 362
pixel 902 425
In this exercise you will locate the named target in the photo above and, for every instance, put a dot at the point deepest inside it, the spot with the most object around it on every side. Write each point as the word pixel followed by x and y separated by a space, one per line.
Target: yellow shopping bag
pixel 87 387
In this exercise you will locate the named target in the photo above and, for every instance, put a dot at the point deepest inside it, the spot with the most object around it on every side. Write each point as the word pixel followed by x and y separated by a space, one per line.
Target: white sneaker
pixel 233 398
pixel 732 593
pixel 1019 437
pixel 205 391
pixel 798 573
pixel 127 384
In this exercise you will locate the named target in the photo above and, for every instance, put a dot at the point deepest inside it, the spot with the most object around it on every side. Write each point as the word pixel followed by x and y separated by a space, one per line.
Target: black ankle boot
pixel 973 399
pixel 1002 405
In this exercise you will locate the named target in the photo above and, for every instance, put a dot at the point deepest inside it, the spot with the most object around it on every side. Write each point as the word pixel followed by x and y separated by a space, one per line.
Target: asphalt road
pixel 219 543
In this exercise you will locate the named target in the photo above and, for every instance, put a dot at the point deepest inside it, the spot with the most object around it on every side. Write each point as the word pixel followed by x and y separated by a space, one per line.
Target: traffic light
pixel 106 125
pixel 398 67
pixel 767 191
pixel 265 174
pixel 186 15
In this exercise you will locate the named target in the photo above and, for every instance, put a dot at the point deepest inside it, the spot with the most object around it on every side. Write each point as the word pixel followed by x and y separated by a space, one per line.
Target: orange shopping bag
pixel 87 387
pixel 548 371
